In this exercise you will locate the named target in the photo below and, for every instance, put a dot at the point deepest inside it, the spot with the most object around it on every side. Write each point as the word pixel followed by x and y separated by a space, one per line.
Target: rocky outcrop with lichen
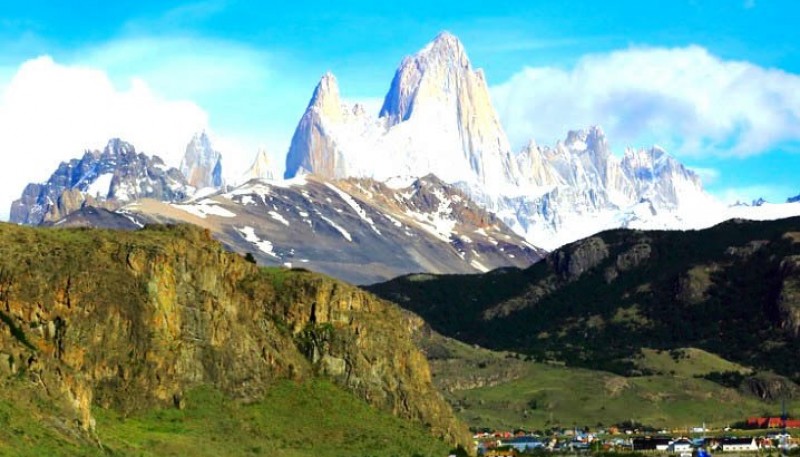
pixel 131 320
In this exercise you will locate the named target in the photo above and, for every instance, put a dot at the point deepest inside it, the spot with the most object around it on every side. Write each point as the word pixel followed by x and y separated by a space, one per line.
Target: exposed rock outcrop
pixel 789 298
pixel 129 320
pixel 573 261
pixel 770 387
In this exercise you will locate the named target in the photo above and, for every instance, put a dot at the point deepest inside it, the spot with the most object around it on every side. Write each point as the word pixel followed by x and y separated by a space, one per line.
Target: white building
pixel 739 445
pixel 680 446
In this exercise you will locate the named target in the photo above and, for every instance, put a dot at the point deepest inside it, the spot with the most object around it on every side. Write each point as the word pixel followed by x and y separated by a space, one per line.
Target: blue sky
pixel 154 71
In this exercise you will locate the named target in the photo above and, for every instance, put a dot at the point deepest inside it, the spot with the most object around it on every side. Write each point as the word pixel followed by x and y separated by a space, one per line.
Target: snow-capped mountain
pixel 359 230
pixel 794 199
pixel 436 118
pixel 202 164
pixel 578 187
pixel 107 179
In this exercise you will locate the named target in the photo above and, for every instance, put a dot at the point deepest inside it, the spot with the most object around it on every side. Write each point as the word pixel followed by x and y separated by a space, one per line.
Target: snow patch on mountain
pixel 101 186
pixel 356 207
pixel 278 217
pixel 249 234
pixel 205 208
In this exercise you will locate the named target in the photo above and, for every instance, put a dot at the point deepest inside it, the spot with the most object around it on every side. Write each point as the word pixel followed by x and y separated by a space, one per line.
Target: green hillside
pixel 732 291
pixel 503 391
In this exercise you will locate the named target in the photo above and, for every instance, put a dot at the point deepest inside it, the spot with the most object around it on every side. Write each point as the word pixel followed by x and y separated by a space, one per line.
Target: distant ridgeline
pixel 733 290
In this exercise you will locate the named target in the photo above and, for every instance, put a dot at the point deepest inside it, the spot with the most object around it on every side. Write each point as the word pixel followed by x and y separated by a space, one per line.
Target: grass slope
pixel 685 362
pixel 515 393
pixel 310 419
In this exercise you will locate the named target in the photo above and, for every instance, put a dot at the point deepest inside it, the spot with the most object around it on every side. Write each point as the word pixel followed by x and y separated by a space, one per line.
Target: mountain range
pixel 359 230
pixel 116 340
pixel 437 117
pixel 437 125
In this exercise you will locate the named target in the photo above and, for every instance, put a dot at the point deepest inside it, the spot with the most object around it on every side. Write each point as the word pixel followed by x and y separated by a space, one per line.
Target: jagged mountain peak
pixel 437 117
pixel 107 179
pixel 118 145
pixel 446 48
pixel 590 139
pixel 654 162
pixel 326 96
pixel 202 164
pixel 438 71
pixel 261 167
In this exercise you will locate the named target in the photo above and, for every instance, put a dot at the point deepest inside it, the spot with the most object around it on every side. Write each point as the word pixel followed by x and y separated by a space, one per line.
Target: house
pixel 680 446
pixel 772 422
pixel 523 443
pixel 657 443
pixel 739 444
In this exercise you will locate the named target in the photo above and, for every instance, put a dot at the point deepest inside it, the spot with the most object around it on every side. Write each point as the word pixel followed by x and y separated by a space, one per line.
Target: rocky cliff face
pixel 313 148
pixel 107 179
pixel 128 320
pixel 202 164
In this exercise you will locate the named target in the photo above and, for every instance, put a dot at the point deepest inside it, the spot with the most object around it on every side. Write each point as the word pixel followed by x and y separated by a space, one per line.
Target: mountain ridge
pixel 338 227
pixel 107 178
pixel 730 290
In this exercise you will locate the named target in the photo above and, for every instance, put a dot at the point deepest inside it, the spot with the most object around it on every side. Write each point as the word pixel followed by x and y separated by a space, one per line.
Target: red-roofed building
pixel 772 422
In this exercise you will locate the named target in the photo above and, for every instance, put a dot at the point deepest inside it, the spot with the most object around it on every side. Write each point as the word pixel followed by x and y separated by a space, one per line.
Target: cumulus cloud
pixel 254 96
pixel 51 112
pixel 686 99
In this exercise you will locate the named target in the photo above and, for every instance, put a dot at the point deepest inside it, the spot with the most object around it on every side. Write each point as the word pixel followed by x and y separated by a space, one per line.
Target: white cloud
pixel 707 175
pixel 251 99
pixel 684 98
pixel 51 112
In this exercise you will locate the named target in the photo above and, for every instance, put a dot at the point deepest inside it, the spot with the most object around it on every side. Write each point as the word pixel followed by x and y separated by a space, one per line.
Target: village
pixel 764 435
